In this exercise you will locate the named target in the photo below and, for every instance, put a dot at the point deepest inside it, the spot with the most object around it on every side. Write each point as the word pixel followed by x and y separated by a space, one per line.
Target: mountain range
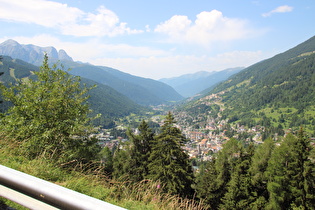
pixel 140 90
pixel 278 92
pixel 31 53
pixel 190 84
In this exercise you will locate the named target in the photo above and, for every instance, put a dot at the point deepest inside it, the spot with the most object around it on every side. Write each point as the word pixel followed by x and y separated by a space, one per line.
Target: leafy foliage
pixel 49 116
pixel 103 99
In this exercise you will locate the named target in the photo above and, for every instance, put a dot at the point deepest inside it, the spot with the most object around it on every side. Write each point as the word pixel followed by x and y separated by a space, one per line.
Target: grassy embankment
pixel 143 195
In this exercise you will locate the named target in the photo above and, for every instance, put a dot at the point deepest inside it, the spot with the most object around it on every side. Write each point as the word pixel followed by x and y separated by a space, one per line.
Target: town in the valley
pixel 204 140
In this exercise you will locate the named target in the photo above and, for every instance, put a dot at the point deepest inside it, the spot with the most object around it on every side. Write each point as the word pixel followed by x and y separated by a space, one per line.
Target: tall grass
pixel 92 182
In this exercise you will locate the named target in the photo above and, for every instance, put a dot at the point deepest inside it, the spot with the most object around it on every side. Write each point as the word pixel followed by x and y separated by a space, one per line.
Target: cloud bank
pixel 68 20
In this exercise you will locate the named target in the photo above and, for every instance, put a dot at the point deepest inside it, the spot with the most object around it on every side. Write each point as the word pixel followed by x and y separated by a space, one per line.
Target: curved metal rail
pixel 35 193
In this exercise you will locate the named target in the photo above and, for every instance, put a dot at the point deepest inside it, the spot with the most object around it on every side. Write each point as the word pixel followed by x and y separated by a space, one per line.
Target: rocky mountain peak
pixel 9 42
pixel 62 55
pixel 31 53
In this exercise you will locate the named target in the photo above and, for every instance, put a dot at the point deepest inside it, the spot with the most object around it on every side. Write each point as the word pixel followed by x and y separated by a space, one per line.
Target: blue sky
pixel 161 39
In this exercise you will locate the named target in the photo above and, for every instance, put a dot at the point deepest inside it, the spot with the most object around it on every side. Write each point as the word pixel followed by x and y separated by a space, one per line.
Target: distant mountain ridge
pixel 186 78
pixel 103 99
pixel 190 84
pixel 141 90
pixel 31 53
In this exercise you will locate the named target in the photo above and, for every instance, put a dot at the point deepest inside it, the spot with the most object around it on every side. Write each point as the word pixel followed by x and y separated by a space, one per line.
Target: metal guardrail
pixel 35 193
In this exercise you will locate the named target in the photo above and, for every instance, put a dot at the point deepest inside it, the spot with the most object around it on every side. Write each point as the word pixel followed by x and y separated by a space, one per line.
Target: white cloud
pixel 175 26
pixel 208 27
pixel 280 9
pixel 105 22
pixel 69 20
pixel 44 13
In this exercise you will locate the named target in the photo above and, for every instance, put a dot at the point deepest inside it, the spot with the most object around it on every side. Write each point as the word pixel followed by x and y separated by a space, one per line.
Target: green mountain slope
pixel 276 93
pixel 140 90
pixel 157 88
pixel 285 81
pixel 103 99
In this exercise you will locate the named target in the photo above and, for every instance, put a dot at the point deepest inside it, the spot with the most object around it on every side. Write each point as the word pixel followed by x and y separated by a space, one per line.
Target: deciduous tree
pixel 49 116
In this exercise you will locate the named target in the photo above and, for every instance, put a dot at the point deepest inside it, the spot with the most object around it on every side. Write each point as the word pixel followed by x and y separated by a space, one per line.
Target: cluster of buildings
pixel 207 132
pixel 105 139
pixel 205 142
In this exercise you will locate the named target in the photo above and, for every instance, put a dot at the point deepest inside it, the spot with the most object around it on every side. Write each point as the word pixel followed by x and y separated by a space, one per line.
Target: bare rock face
pixel 62 55
pixel 31 53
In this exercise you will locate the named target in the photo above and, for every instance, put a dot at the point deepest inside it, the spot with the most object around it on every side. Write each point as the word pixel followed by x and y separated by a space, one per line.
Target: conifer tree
pixel 141 146
pixel 302 173
pixel 107 160
pixel 132 159
pixel 207 185
pixel 238 190
pixel 169 164
pixel 278 188
pixel 121 162
pixel 291 174
pixel 225 163
pixel 258 174
pixel 224 178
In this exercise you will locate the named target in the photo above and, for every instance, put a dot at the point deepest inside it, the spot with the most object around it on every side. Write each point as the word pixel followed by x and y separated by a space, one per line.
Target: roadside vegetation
pixel 129 195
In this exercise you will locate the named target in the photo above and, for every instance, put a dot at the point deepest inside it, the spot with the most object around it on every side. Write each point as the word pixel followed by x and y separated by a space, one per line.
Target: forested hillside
pixel 103 99
pixel 278 93
pixel 141 90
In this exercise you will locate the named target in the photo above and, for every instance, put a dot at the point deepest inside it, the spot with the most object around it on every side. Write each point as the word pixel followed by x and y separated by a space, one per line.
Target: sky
pixel 161 39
